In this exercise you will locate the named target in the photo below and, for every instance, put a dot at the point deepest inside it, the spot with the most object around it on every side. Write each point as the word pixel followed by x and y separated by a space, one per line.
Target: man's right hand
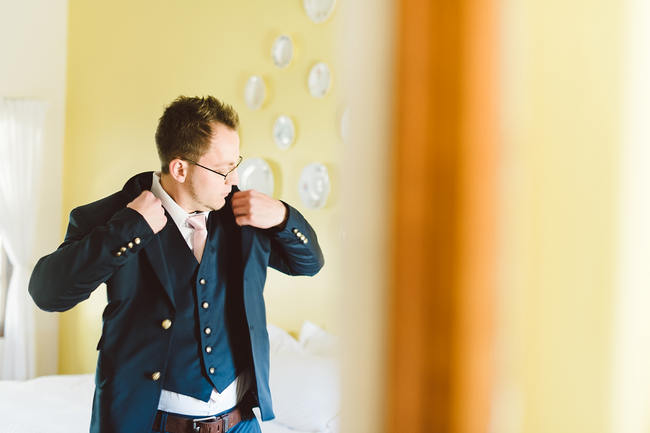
pixel 150 207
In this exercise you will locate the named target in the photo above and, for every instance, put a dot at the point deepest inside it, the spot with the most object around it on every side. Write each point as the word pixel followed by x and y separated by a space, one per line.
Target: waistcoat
pixel 210 344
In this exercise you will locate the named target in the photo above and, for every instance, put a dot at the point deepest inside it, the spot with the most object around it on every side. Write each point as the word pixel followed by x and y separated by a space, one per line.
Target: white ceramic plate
pixel 282 51
pixel 319 80
pixel 345 125
pixel 255 173
pixel 255 92
pixel 319 10
pixel 283 132
pixel 314 185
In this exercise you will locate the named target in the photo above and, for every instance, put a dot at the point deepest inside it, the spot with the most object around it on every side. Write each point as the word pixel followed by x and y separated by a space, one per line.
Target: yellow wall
pixel 563 91
pixel 127 60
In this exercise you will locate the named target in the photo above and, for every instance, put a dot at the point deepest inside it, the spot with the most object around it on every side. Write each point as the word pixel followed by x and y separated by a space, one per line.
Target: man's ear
pixel 178 169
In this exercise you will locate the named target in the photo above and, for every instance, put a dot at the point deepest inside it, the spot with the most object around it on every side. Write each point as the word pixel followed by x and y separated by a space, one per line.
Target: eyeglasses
pixel 225 176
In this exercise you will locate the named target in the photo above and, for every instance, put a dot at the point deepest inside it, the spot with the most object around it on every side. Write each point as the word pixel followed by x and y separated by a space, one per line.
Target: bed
pixel 304 380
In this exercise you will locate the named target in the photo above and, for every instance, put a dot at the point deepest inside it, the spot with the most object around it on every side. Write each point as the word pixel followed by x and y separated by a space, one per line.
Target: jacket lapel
pixel 153 250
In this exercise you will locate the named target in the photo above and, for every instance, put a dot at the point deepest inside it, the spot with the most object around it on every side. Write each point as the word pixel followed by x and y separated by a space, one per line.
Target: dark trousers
pixel 249 425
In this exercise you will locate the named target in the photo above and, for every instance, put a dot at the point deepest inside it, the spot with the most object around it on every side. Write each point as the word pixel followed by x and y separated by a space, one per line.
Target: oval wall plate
pixel 282 51
pixel 283 132
pixel 314 186
pixel 255 173
pixel 319 10
pixel 255 92
pixel 319 80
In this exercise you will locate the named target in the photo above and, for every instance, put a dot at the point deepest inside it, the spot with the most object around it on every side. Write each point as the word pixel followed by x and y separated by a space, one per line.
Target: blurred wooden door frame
pixel 444 248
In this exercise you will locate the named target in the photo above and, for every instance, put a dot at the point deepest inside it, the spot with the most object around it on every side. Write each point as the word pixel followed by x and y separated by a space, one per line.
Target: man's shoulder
pixel 102 209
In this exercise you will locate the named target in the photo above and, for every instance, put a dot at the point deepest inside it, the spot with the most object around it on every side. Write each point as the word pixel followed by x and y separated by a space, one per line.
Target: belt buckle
pixel 197 428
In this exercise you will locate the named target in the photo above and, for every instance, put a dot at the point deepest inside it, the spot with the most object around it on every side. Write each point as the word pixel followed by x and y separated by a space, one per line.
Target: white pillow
pixel 281 341
pixel 317 341
pixel 305 390
pixel 304 386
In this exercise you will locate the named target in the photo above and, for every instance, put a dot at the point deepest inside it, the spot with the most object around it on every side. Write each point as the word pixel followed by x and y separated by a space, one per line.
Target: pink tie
pixel 200 234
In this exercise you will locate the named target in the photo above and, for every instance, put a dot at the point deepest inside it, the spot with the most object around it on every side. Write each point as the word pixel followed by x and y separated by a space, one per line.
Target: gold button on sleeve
pixel 166 323
pixel 155 376
pixel 202 281
pixel 211 370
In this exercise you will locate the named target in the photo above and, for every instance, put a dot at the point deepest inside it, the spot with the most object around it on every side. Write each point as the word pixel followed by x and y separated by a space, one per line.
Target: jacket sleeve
pixel 294 246
pixel 88 257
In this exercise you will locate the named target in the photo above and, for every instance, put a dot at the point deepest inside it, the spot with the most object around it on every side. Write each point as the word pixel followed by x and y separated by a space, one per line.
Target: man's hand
pixel 255 209
pixel 150 207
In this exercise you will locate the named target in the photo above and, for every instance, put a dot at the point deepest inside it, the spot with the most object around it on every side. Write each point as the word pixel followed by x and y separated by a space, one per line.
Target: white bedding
pixel 60 404
pixel 304 385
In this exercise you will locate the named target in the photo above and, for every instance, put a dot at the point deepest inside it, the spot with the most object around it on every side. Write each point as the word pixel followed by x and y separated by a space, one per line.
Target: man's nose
pixel 233 178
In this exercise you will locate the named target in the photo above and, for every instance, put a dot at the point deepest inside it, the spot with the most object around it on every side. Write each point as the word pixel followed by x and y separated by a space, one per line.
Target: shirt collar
pixel 178 214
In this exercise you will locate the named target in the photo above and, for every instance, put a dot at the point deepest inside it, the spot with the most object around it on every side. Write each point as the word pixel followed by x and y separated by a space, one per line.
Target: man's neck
pixel 169 185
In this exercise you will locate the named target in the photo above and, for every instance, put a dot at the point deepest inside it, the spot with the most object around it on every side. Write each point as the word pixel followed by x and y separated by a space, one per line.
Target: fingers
pixel 244 220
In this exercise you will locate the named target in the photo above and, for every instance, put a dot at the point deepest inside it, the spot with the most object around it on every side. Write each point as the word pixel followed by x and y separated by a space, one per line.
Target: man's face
pixel 208 190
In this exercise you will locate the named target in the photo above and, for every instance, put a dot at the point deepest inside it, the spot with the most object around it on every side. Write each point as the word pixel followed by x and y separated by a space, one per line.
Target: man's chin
pixel 219 204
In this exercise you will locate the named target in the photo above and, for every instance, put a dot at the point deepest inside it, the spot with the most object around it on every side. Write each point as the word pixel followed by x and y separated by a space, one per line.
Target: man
pixel 184 254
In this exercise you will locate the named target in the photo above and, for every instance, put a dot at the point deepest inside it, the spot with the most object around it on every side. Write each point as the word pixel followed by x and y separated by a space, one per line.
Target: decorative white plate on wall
pixel 319 10
pixel 255 173
pixel 283 132
pixel 255 92
pixel 319 80
pixel 345 125
pixel 282 51
pixel 314 185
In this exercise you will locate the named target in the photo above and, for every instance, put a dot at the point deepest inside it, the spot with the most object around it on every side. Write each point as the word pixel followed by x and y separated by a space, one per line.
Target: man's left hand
pixel 255 209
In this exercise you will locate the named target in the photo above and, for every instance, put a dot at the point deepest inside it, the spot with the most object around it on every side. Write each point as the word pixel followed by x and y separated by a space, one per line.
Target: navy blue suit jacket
pixel 134 345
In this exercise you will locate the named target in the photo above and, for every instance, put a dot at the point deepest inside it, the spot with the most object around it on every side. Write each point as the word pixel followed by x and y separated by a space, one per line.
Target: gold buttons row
pixel 300 236
pixel 166 324
pixel 130 245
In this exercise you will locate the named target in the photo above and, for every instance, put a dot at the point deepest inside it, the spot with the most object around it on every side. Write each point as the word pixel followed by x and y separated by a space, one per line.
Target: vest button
pixel 208 349
pixel 202 281
pixel 207 331
pixel 130 245
pixel 137 241
pixel 119 253
pixel 211 370
pixel 166 323
pixel 205 305
pixel 155 376
pixel 123 249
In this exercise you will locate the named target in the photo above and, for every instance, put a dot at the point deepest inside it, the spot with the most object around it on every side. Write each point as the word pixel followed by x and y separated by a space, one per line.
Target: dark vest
pixel 209 311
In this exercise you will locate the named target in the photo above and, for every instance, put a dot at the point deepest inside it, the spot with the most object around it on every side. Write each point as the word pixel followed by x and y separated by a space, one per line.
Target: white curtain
pixel 21 150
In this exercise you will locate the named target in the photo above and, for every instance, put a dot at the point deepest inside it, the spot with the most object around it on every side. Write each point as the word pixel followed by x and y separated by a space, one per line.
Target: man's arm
pixel 89 256
pixel 294 245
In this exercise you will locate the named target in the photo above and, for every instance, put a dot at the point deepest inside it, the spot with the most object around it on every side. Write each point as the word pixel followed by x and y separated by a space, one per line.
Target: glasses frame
pixel 225 176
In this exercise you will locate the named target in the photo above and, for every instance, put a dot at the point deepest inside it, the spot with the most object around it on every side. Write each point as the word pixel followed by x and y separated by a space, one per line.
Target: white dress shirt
pixel 180 403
